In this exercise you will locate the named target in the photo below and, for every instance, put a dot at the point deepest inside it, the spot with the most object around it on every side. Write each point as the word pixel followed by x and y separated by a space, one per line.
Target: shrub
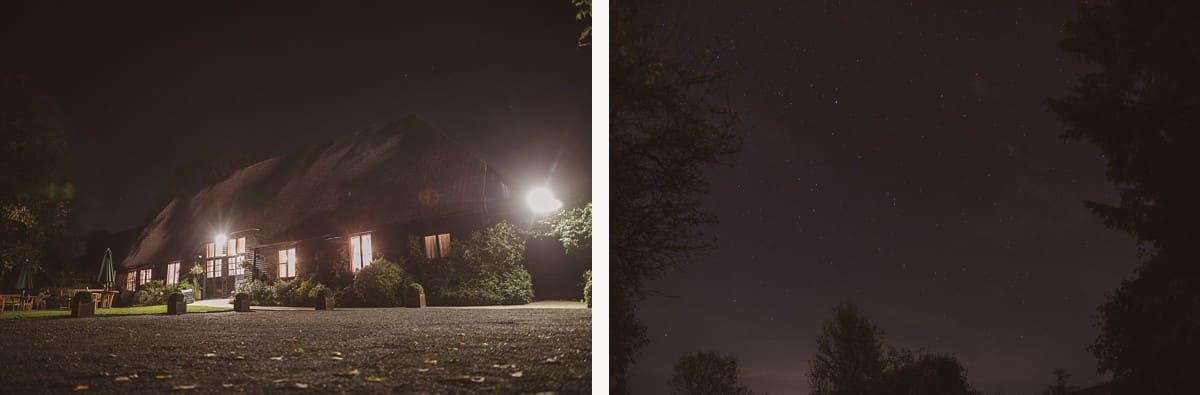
pixel 259 293
pixel 417 288
pixel 381 284
pixel 182 285
pixel 487 269
pixel 587 288
pixel 151 293
pixel 241 296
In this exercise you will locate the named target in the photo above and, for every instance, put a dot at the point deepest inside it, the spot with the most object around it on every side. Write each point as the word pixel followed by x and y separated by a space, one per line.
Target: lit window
pixel 235 266
pixel 172 273
pixel 360 251
pixel 143 276
pixel 437 246
pixel 211 249
pixel 130 281
pixel 214 268
pixel 241 245
pixel 287 263
pixel 231 247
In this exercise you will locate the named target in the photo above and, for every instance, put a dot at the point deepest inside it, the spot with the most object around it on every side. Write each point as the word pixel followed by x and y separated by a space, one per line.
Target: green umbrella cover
pixel 107 275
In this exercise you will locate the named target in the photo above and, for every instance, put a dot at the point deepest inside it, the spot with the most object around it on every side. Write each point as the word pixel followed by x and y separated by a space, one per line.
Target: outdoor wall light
pixel 542 201
pixel 220 239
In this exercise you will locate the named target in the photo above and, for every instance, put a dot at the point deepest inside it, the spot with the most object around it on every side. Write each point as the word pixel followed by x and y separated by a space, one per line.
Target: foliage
pixel 38 219
pixel 584 13
pixel 1140 105
pixel 382 284
pixel 707 373
pixel 665 128
pixel 197 272
pixel 850 356
pixel 572 227
pixel 182 285
pixel 151 293
pixel 487 269
pixel 257 291
pixel 851 360
pixel 1061 384
pixel 415 287
pixel 587 288
pixel 139 310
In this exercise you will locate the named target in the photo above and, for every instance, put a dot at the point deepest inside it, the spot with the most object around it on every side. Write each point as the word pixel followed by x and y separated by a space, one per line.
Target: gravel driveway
pixel 432 350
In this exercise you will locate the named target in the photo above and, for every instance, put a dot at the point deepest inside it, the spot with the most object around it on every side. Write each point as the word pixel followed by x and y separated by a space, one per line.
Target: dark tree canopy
pixel 851 360
pixel 707 373
pixel 1062 384
pixel 1141 107
pixel 38 222
pixel 666 126
pixel 850 356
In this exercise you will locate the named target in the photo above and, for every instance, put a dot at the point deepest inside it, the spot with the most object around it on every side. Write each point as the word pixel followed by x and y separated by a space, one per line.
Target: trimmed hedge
pixel 382 284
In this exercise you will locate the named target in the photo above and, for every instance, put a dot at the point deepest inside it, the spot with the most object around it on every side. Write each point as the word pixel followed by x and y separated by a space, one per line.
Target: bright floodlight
pixel 542 201
pixel 220 239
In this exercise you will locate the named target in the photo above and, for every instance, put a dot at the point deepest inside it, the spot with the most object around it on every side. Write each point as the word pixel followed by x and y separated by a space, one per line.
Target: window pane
pixel 291 262
pixel 231 248
pixel 355 254
pixel 431 247
pixel 241 245
pixel 366 250
pixel 212 250
pixel 444 244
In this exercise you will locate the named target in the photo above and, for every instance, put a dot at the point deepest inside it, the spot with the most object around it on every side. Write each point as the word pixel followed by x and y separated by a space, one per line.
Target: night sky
pixel 147 86
pixel 899 157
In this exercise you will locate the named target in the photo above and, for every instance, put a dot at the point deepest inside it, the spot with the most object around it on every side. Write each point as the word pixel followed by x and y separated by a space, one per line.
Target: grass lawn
pixel 140 310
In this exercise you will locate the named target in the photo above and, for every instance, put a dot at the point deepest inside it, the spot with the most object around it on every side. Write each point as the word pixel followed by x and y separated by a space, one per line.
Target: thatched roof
pixel 389 174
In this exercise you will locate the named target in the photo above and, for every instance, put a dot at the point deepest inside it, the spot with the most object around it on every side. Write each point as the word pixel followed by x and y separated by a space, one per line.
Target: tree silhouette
pixel 1141 107
pixel 38 221
pixel 1062 385
pixel 851 360
pixel 850 357
pixel 664 129
pixel 707 373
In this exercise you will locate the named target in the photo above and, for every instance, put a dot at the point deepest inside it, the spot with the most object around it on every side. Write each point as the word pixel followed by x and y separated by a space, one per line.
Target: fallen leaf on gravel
pixel 239 358
pixel 335 354
pixel 552 360
pixel 373 379
pixel 279 358
pixel 121 379
pixel 504 366
pixel 300 386
pixel 299 351
pixel 422 370
pixel 350 373
pixel 112 355
pixel 105 374
pixel 517 374
pixel 431 361
pixel 477 379
pixel 210 355
pixel 183 387
pixel 278 381
pixel 162 376
pixel 227 385
pixel 80 388
pixel 336 358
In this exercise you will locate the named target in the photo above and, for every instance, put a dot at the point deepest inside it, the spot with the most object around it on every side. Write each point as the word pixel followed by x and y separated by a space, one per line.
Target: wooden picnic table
pixel 17 301
pixel 102 299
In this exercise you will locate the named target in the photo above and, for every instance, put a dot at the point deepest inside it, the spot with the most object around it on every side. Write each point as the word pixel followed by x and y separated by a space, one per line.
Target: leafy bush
pixel 257 291
pixel 382 284
pixel 487 270
pixel 587 288
pixel 151 293
pixel 182 285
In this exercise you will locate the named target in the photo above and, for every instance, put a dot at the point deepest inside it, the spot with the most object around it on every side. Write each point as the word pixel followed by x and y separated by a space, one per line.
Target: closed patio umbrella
pixel 25 279
pixel 107 275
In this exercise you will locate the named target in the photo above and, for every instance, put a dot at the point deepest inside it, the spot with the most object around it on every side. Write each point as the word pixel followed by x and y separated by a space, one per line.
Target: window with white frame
pixel 287 263
pixel 214 268
pixel 210 250
pixel 173 273
pixel 130 281
pixel 143 276
pixel 235 266
pixel 437 246
pixel 360 251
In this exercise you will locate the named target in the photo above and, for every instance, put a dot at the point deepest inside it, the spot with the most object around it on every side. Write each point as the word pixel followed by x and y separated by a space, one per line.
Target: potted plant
pixel 414 296
pixel 176 304
pixel 325 299
pixel 241 302
pixel 82 305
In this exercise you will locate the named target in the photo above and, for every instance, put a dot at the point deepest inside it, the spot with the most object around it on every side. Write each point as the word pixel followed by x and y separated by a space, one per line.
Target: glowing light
pixel 220 239
pixel 542 201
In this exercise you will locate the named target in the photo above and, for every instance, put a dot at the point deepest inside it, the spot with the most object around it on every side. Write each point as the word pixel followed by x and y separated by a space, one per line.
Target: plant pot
pixel 83 307
pixel 241 305
pixel 415 299
pixel 176 304
pixel 325 303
